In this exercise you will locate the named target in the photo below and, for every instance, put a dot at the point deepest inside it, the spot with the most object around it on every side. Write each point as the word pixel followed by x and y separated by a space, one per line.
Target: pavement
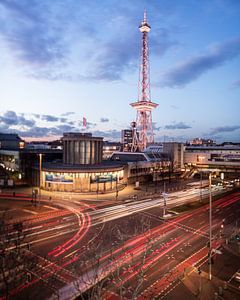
pixel 196 283
pixel 202 288
pixel 144 191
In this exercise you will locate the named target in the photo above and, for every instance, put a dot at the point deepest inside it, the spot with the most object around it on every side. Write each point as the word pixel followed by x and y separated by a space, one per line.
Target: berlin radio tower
pixel 144 105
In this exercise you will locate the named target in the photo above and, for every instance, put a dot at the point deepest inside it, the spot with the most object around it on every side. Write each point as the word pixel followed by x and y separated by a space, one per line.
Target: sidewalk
pixel 204 289
pixel 127 193
pixel 219 287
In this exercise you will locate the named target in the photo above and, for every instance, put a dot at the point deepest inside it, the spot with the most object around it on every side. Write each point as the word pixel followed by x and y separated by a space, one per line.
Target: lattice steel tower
pixel 144 105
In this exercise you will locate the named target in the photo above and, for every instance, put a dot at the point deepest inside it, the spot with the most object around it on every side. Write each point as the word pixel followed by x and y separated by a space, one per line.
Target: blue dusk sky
pixel 64 60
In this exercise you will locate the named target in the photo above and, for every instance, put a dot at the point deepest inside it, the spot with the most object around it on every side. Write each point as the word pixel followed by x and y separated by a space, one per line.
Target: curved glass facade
pixel 82 181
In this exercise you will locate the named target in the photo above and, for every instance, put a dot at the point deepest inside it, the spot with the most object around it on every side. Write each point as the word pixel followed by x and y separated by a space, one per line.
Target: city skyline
pixel 62 62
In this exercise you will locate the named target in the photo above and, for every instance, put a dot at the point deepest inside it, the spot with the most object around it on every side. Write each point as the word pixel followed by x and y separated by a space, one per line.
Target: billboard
pixel 103 178
pixel 56 178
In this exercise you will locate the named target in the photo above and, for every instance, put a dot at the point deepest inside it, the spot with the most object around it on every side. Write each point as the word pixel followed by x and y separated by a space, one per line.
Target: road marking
pixel 30 211
pixel 54 208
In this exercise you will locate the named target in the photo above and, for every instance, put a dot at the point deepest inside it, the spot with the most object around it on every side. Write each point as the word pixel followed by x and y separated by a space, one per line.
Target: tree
pixel 15 260
pixel 100 271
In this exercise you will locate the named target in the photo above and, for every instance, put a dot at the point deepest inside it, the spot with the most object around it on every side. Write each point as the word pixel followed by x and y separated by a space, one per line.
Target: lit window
pixel 21 145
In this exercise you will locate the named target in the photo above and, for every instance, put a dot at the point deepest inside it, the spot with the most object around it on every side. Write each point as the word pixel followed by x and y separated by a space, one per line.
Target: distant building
pixel 174 151
pixel 11 141
pixel 226 156
pixel 142 166
pixel 127 139
pixel 200 141
pixel 20 162
pixel 109 148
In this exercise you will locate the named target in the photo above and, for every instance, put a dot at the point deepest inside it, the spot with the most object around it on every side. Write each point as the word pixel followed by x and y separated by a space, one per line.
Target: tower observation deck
pixel 144 105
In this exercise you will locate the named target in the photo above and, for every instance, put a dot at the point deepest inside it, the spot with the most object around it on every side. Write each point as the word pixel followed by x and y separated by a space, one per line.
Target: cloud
pixel 235 84
pixel 44 38
pixel 22 124
pixel 192 68
pixel 30 34
pixel 174 106
pixel 38 116
pixel 68 113
pixel 155 127
pixel 42 131
pixel 112 59
pixel 108 134
pixel 52 118
pixel 179 125
pixel 104 120
pixel 221 129
pixel 10 118
pixel 49 118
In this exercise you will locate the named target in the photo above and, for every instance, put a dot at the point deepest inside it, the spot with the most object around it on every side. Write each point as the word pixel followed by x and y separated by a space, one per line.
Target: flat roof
pixel 209 148
pixel 104 166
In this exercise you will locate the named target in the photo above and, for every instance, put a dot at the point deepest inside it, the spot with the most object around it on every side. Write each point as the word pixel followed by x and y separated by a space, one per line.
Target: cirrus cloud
pixel 194 67
pixel 180 125
pixel 221 129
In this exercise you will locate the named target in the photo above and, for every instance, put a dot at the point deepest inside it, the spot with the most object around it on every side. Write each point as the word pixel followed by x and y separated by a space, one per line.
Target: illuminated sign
pixel 103 178
pixel 55 178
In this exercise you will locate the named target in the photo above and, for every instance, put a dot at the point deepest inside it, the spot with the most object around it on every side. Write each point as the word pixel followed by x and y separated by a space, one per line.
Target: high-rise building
pixel 127 139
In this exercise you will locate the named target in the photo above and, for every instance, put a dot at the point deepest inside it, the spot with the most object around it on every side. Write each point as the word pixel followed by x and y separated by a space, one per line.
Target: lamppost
pixel 164 200
pixel 210 227
pixel 136 177
pixel 201 159
pixel 40 175
pixel 116 187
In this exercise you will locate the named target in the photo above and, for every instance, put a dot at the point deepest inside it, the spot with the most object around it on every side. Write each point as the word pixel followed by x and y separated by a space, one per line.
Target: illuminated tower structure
pixel 144 105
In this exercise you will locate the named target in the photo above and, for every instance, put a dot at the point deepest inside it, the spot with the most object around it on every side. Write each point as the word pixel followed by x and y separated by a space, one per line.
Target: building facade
pixel 99 178
pixel 226 156
pixel 11 141
pixel 82 149
pixel 82 169
pixel 174 151
pixel 127 139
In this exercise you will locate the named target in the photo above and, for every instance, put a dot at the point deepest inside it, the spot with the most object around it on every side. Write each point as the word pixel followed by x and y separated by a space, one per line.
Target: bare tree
pixel 14 258
pixel 100 271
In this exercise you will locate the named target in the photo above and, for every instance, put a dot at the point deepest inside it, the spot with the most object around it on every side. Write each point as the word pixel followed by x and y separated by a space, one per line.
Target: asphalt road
pixel 131 249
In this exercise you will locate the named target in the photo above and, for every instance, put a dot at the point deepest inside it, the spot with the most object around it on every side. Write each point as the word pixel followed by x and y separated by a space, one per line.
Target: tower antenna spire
pixel 145 16
pixel 144 105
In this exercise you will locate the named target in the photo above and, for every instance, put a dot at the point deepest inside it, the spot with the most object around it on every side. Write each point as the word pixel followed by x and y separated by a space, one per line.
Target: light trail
pixel 154 233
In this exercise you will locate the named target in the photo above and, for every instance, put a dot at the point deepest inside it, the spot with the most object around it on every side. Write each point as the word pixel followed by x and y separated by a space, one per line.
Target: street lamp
pixel 116 187
pixel 40 175
pixel 201 159
pixel 164 201
pixel 210 226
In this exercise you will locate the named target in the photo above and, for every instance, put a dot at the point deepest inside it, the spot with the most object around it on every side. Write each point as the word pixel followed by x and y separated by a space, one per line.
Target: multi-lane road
pixel 126 250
